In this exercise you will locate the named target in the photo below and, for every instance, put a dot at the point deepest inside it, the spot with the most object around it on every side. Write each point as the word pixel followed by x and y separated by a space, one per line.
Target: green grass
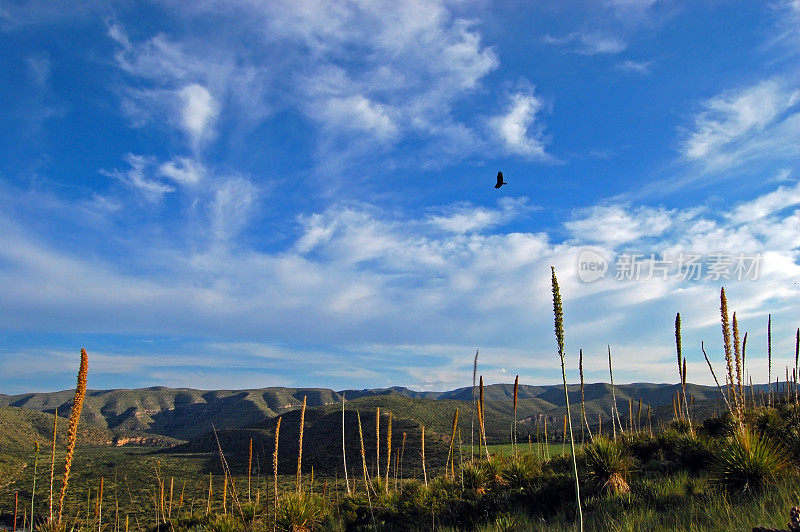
pixel 506 449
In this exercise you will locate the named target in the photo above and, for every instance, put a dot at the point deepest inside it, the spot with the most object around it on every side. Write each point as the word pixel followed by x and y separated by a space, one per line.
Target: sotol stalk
pixel 559 329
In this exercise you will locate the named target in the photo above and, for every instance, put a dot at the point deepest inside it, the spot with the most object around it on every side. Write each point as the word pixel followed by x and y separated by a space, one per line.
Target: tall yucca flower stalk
pixel 72 432
pixel 474 409
pixel 639 417
pixel 613 397
pixel 300 446
pixel 211 492
pixel 737 357
pixel 584 421
pixel 559 329
pixel 769 358
pixel 33 489
pixel 482 420
pixel 388 450
pixel 711 369
pixel 249 469
pixel 514 428
pixel 378 442
pixel 682 370
pixel 274 463
pixel 363 453
pixel 424 470
pixel 402 454
pixel 452 441
pixel 344 454
pixel 744 370
pixel 678 349
pixel 726 343
pixel 796 361
pixel 685 399
pixel 53 461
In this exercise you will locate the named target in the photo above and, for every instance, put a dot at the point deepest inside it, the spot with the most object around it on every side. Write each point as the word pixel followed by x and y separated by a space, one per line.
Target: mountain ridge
pixel 187 413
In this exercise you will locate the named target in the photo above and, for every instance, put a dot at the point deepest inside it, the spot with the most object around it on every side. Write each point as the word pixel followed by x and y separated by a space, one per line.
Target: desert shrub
pixel 560 464
pixel 681 426
pixel 476 478
pixel 765 420
pixel 748 461
pixel 685 451
pixel 694 454
pixel 719 426
pixel 521 472
pixel 250 512
pixel 641 446
pixel 606 466
pixel 300 511
pixel 225 523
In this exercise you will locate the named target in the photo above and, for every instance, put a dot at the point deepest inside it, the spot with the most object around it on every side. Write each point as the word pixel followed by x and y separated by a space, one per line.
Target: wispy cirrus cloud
pixel 139 175
pixel 591 43
pixel 639 67
pixel 757 122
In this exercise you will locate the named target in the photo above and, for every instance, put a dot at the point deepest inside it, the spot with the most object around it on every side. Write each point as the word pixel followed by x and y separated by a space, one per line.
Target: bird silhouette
pixel 500 181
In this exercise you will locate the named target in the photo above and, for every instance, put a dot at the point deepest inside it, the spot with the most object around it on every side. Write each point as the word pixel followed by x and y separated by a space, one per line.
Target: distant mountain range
pixel 180 420
pixel 185 413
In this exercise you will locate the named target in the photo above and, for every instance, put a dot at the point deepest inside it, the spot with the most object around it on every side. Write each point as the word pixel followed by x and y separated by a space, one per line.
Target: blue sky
pixel 242 194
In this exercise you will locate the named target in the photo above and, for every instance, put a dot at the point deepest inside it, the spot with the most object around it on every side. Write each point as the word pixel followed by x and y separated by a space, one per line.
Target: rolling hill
pixel 187 414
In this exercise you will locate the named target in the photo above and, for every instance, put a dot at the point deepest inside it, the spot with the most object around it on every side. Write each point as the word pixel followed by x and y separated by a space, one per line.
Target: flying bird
pixel 500 181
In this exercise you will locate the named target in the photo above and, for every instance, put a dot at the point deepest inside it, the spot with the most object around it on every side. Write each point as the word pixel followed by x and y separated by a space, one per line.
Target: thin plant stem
pixel 300 446
pixel 344 452
pixel 559 330
pixel 722 393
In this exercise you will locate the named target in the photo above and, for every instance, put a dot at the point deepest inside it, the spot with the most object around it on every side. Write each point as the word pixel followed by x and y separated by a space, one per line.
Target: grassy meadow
pixel 403 463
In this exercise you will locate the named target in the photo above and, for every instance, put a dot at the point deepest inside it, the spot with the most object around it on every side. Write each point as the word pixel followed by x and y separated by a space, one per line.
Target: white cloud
pixel 233 203
pixel 768 204
pixel 469 218
pixel 518 128
pixel 198 113
pixel 759 121
pixel 182 170
pixel 417 61
pixel 640 67
pixel 40 70
pixel 589 43
pixel 357 112
pixel 616 224
pixel 189 82
pixel 353 276
pixel 137 176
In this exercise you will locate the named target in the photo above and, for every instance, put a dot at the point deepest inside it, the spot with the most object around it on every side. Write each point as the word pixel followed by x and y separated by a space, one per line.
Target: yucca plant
pixel 301 511
pixel 607 466
pixel 521 472
pixel 475 477
pixel 748 461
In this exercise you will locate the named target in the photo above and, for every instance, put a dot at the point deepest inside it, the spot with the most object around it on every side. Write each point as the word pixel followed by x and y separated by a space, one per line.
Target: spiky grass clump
pixel 477 477
pixel 748 461
pixel 521 472
pixel 301 511
pixel 51 526
pixel 607 466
